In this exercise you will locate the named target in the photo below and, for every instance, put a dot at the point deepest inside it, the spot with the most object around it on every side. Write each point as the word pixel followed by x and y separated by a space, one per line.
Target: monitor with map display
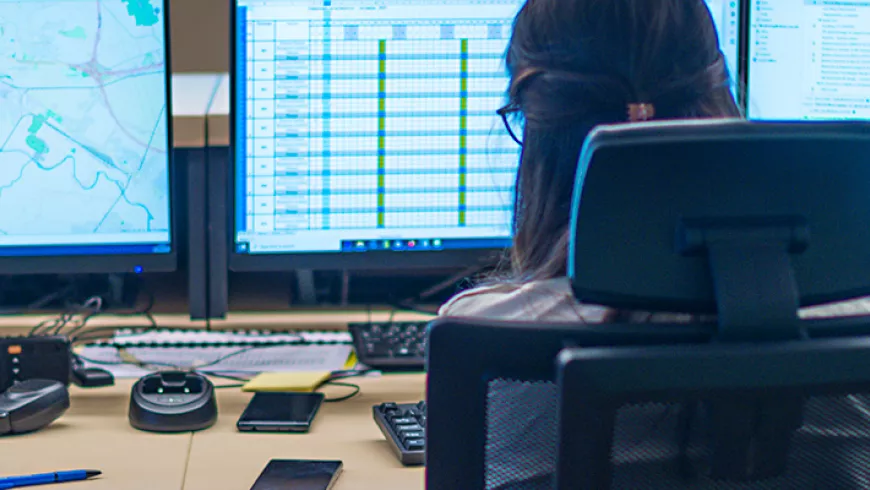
pixel 366 134
pixel 84 137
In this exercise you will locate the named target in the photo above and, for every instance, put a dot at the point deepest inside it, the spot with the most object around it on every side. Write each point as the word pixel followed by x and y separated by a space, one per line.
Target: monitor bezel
pixel 116 263
pixel 741 77
pixel 369 260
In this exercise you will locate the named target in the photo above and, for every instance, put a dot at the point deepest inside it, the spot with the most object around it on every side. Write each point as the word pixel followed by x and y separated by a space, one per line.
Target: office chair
pixel 744 221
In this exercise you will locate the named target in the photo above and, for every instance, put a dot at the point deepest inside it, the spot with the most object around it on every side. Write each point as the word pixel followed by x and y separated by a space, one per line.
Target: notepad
pixel 284 382
pixel 301 381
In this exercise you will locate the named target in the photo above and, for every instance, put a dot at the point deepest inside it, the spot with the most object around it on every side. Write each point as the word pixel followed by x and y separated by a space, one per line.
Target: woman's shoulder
pixel 547 300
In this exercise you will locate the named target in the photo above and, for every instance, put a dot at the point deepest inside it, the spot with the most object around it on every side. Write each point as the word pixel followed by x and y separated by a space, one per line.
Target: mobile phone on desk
pixel 294 474
pixel 280 412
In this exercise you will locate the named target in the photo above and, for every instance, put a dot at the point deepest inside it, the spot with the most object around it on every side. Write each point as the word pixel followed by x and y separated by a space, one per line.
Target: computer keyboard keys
pixel 389 408
pixel 396 346
pixel 415 444
pixel 401 425
pixel 416 434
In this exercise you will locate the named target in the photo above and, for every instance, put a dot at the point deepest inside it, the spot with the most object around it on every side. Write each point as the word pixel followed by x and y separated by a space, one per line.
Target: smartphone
pixel 290 474
pixel 280 412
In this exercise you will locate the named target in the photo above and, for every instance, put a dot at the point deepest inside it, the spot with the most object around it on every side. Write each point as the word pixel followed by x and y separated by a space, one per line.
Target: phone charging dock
pixel 173 401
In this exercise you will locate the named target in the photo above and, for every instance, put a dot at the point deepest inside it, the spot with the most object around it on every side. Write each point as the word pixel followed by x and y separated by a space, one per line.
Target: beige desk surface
pixel 222 458
pixel 95 434
pixel 192 95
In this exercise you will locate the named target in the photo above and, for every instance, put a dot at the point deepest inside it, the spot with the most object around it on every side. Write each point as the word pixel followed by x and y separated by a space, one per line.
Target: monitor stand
pixel 307 293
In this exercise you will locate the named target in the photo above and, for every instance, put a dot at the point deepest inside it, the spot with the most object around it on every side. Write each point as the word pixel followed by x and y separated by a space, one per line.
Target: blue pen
pixel 44 478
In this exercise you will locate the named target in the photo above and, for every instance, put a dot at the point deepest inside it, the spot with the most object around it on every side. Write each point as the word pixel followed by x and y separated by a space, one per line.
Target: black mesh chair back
pixel 742 220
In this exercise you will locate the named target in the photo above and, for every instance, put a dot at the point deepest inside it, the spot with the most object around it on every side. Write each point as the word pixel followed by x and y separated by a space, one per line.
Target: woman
pixel 575 64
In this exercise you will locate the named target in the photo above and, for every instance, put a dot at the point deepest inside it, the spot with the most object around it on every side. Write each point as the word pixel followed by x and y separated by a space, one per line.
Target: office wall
pixel 200 35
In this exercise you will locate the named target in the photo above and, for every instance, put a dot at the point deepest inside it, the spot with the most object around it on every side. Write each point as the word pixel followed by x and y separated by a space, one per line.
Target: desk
pixel 95 434
pixel 192 95
pixel 222 458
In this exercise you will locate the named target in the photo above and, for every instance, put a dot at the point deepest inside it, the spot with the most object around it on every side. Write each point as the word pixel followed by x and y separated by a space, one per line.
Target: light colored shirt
pixel 521 417
pixel 553 300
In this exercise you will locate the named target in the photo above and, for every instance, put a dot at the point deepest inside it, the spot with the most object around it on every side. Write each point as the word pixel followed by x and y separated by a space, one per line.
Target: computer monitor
pixel 366 134
pixel 726 16
pixel 84 137
pixel 808 60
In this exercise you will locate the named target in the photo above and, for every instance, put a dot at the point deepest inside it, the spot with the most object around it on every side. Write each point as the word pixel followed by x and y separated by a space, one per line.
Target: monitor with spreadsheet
pixel 84 163
pixel 365 128
pixel 809 59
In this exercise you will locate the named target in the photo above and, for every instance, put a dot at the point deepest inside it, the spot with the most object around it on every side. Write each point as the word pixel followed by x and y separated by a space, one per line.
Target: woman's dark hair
pixel 575 64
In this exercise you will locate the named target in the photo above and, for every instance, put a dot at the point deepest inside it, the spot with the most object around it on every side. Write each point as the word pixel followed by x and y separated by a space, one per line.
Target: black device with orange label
pixel 37 357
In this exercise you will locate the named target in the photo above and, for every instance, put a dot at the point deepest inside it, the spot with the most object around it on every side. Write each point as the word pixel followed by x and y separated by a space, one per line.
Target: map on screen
pixel 83 123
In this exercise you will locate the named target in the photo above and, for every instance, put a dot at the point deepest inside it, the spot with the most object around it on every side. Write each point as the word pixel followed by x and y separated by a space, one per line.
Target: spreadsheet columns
pixel 463 126
pixel 327 116
pixel 376 121
pixel 382 126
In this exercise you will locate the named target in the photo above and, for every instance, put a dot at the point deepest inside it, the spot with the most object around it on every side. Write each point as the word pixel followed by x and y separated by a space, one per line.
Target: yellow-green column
pixel 382 126
pixel 463 127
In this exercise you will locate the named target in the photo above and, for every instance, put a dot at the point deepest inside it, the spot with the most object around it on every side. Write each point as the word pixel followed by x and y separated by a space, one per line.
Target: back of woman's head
pixel 575 64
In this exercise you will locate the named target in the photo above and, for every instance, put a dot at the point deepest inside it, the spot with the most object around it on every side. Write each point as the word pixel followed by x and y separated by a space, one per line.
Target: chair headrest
pixel 638 186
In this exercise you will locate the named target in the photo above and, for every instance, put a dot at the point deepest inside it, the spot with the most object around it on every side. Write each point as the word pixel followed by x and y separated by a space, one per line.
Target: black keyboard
pixel 404 426
pixel 393 346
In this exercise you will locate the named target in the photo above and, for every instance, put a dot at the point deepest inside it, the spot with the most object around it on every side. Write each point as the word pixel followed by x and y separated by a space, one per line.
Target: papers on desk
pixel 198 337
pixel 232 353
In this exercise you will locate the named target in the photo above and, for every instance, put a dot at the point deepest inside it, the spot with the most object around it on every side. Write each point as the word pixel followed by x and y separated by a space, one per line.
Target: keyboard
pixel 404 426
pixel 391 346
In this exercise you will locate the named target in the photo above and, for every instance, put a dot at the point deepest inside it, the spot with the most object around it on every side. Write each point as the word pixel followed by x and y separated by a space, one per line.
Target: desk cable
pixel 333 380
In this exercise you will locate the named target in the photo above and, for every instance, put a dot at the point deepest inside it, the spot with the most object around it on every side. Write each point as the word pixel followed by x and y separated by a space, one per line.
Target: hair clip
pixel 641 112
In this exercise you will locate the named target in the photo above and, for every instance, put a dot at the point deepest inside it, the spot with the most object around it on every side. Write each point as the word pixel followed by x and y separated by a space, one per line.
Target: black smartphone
pixel 294 474
pixel 280 412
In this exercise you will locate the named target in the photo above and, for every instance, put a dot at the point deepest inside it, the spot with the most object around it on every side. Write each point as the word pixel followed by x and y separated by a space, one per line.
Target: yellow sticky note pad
pixel 305 381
